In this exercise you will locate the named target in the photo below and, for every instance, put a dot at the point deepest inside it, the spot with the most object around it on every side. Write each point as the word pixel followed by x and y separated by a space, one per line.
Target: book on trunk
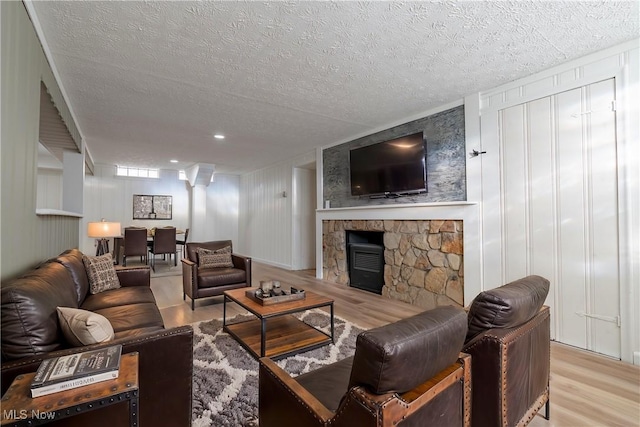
pixel 76 370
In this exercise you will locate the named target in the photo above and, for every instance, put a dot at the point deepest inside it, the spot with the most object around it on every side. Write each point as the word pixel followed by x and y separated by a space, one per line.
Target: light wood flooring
pixel 586 389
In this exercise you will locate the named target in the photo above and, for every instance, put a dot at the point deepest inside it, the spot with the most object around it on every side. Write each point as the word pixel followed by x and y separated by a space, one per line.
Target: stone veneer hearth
pixel 423 258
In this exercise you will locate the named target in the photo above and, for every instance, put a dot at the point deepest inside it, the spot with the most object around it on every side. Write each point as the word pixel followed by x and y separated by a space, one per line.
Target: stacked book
pixel 76 370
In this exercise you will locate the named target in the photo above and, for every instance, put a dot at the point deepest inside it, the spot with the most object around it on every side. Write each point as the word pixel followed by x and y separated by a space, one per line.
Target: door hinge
pixel 611 319
pixel 613 105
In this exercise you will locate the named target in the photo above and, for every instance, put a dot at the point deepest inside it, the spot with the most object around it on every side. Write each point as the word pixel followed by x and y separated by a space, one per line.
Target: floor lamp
pixel 102 231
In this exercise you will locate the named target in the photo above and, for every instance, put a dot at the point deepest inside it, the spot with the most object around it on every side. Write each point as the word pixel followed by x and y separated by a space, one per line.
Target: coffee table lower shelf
pixel 285 336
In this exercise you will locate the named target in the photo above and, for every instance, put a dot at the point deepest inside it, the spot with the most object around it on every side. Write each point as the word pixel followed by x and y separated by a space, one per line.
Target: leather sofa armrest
pixel 134 276
pixel 285 403
pixel 165 374
pixel 243 263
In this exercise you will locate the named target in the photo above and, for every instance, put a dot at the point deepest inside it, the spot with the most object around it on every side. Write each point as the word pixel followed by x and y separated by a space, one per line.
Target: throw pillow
pixel 219 258
pixel 102 275
pixel 82 327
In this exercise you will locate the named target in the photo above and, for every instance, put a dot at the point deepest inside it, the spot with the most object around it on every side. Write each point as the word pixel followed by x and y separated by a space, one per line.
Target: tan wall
pixel 26 238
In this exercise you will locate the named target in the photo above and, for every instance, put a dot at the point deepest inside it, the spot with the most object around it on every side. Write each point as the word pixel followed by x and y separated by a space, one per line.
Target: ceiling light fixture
pixel 173 161
pixel 218 136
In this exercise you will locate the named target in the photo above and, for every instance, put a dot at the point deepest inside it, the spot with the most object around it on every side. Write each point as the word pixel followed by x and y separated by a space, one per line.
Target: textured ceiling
pixel 151 81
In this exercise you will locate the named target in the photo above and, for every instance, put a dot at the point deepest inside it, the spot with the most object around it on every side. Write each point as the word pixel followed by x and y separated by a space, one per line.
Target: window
pixel 137 172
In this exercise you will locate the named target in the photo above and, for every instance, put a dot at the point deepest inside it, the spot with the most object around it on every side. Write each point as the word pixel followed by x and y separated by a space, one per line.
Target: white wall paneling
pixel 266 217
pixel 49 189
pixel 223 201
pixel 72 182
pixel 304 218
pixel 559 194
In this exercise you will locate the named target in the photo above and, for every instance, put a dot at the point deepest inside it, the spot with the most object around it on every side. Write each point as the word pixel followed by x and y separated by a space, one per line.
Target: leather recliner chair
pixel 408 373
pixel 509 344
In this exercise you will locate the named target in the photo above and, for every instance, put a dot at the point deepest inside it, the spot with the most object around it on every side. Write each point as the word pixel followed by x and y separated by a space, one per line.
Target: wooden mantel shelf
pixel 401 206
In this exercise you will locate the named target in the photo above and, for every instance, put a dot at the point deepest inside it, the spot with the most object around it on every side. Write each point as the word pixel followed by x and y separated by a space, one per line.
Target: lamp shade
pixel 103 229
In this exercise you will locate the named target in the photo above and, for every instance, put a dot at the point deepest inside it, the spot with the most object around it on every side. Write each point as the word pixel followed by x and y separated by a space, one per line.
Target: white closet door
pixel 560 209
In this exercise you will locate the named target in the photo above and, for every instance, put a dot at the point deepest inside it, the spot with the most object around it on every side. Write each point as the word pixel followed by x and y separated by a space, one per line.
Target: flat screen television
pixel 389 168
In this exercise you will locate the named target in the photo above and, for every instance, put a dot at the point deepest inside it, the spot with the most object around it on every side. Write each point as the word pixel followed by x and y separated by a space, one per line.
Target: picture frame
pixel 147 206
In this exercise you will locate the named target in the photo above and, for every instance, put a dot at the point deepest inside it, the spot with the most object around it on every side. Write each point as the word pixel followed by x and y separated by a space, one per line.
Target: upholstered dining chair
pixel 135 244
pixel 182 243
pixel 164 243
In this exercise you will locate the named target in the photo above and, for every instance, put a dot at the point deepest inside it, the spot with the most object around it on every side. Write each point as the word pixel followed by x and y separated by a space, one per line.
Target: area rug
pixel 225 383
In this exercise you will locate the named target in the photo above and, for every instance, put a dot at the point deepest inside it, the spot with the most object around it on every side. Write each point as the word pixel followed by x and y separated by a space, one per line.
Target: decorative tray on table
pixel 270 292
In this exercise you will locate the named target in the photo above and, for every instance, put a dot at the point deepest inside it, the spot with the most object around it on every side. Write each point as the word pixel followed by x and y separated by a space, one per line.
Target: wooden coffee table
pixel 283 335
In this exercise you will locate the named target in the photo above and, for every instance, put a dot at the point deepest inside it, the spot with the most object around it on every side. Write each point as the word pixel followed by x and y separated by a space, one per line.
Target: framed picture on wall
pixel 151 207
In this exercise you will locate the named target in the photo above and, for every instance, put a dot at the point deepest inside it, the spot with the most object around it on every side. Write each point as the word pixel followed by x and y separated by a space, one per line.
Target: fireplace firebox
pixel 366 260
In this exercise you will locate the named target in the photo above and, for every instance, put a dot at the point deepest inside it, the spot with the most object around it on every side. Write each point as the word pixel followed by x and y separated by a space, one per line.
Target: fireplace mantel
pixel 468 212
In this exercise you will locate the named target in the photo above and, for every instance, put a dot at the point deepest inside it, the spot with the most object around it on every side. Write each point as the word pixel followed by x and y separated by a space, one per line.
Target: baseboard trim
pixel 275 264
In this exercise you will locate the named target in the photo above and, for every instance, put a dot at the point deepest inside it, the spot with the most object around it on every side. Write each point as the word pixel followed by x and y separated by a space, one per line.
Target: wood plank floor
pixel 586 389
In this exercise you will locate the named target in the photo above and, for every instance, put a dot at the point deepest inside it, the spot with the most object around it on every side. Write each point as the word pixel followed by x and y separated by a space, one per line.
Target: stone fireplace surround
pixel 422 258
pixel 427 249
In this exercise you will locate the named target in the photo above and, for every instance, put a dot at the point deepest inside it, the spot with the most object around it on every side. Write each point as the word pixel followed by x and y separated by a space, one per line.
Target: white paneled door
pixel 560 209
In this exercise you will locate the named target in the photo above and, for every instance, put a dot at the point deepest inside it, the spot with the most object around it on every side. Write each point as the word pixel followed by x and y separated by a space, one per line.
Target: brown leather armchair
pixel 200 282
pixel 408 373
pixel 509 344
pixel 135 244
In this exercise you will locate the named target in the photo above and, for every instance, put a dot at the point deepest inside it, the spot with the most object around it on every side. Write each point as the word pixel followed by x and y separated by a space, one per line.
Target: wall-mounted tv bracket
pixel 476 153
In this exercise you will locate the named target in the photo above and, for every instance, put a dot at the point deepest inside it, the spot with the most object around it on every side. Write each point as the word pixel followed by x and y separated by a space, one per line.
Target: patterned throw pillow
pixel 219 258
pixel 102 275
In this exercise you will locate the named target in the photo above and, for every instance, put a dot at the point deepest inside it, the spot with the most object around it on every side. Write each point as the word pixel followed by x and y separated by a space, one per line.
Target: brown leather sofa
pixel 31 333
pixel 509 344
pixel 209 282
pixel 408 373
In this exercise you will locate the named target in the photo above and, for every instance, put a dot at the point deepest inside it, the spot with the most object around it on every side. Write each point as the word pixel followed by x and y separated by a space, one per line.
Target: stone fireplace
pixel 423 259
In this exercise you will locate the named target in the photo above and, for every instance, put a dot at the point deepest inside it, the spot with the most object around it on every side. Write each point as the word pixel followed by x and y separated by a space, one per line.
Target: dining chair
pixel 164 243
pixel 182 243
pixel 135 244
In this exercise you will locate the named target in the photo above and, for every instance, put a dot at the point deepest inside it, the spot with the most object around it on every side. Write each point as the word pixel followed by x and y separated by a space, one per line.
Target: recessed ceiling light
pixel 218 136
pixel 173 161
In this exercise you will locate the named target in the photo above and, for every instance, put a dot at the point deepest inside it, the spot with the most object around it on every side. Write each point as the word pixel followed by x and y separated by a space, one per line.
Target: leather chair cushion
pixel 72 261
pixel 212 277
pixel 29 311
pixel 138 332
pixel 328 384
pixel 133 316
pixel 508 306
pixel 117 297
pixel 402 355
